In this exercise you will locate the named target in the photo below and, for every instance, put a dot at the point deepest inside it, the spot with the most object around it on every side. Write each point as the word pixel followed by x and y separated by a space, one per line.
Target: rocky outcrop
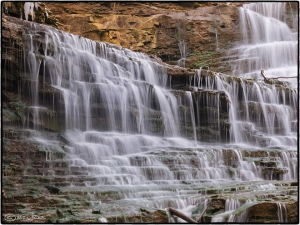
pixel 157 28
pixel 264 212
pixel 28 166
pixel 27 190
pixel 206 29
pixel 17 108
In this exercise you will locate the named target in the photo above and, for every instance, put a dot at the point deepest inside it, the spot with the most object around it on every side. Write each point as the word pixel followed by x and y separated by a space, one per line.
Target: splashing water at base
pixel 125 130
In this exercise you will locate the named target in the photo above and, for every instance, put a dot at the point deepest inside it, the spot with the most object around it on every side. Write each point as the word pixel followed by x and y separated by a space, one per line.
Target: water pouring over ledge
pixel 269 43
pixel 124 126
pixel 99 82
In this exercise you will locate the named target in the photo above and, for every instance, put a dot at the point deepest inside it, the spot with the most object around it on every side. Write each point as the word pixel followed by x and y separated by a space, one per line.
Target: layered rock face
pixel 143 26
pixel 206 29
pixel 52 118
pixel 48 87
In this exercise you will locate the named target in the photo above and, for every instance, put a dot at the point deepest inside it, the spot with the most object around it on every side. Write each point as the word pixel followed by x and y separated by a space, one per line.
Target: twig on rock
pixel 282 77
pixel 262 73
pixel 199 220
pixel 181 215
pixel 185 217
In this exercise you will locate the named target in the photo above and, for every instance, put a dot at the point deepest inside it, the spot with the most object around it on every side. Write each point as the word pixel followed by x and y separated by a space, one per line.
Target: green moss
pixel 163 211
pixel 204 59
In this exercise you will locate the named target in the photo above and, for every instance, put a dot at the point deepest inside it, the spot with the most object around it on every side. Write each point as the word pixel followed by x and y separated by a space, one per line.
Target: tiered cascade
pixel 269 43
pixel 126 129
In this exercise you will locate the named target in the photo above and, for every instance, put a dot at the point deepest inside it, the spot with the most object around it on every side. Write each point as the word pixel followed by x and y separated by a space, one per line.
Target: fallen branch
pixel 199 220
pixel 273 80
pixel 185 217
pixel 181 215
pixel 262 73
pixel 225 70
pixel 282 77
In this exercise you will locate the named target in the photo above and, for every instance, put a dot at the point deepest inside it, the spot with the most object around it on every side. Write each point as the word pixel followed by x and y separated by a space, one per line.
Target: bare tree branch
pixel 185 217
pixel 282 77
pixel 181 215
pixel 199 220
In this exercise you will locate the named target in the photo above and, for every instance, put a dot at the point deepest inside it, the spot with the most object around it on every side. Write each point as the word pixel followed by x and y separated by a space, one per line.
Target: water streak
pixel 282 213
pixel 269 44
pixel 125 130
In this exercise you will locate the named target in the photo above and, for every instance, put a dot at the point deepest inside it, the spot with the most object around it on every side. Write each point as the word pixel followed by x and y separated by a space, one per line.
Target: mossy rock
pixel 263 211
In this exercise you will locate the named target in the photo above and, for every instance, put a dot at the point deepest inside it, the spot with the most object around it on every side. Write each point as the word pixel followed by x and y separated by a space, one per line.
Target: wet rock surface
pixel 26 189
pixel 17 110
pixel 37 178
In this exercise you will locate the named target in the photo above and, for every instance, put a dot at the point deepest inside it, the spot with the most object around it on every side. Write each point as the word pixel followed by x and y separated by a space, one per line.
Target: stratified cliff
pixel 206 30
pixel 50 84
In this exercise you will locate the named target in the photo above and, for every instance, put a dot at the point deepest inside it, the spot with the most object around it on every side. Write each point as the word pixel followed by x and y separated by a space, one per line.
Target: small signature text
pixel 14 217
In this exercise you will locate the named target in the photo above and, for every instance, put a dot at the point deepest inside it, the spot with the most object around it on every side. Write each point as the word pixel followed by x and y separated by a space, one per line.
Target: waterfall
pixel 125 128
pixel 216 31
pixel 269 44
pixel 261 105
pixel 230 206
pixel 182 44
pixel 112 99
pixel 282 213
pixel 183 48
pixel 235 211
pixel 29 8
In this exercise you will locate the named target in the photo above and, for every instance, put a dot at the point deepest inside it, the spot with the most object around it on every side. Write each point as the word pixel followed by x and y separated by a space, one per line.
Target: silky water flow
pixel 128 131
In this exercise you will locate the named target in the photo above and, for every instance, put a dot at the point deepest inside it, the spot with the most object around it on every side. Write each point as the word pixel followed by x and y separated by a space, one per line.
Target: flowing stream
pixel 128 131
pixel 269 43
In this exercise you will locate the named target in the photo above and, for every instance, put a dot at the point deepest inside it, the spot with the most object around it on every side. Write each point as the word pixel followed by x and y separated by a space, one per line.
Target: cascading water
pixel 269 44
pixel 126 131
pixel 183 48
pixel 258 114
pixel 282 213
pixel 29 8
pixel 235 211
pixel 182 45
